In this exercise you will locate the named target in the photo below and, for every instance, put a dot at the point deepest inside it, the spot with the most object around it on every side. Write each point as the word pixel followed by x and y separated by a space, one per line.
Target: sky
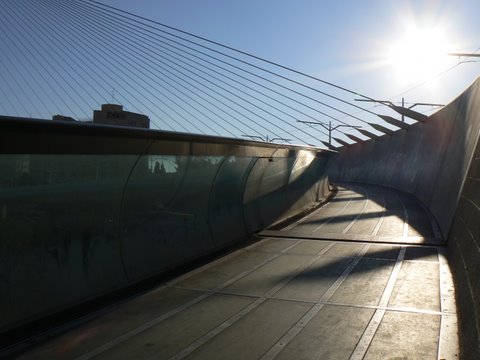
pixel 385 50
pixel 345 42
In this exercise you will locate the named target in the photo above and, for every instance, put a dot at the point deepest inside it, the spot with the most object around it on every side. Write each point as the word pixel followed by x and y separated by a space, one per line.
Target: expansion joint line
pixel 134 332
pixel 448 347
pixel 349 226
pixel 223 326
pixel 369 333
pixel 298 327
pixel 379 224
pixel 229 322
pixel 128 335
pixel 334 216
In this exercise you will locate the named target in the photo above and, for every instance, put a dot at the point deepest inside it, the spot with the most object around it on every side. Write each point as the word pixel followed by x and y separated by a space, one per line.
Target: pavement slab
pixel 290 297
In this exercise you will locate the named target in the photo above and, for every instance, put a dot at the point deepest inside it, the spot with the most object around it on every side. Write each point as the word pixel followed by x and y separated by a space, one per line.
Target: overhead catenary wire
pixel 62 66
pixel 177 58
pixel 56 8
pixel 33 49
pixel 425 82
pixel 403 92
pixel 204 79
pixel 28 71
pixel 113 63
pixel 5 96
pixel 91 73
pixel 144 38
pixel 432 77
pixel 268 62
pixel 13 92
pixel 122 23
pixel 32 64
pixel 233 101
pixel 17 85
pixel 13 65
pixel 136 55
pixel 87 54
pixel 99 4
pixel 80 56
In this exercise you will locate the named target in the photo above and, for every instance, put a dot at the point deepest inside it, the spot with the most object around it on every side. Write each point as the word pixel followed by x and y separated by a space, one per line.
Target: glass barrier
pixel 59 229
pixel 75 226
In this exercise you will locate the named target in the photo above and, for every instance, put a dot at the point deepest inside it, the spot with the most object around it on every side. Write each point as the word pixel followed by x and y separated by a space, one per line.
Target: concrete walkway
pixel 292 297
pixel 368 213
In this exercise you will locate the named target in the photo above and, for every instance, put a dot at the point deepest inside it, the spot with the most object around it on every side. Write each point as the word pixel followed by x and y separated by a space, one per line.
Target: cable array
pixel 69 57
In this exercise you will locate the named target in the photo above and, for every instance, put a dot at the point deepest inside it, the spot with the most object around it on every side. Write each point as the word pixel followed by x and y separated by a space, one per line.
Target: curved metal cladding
pixel 438 161
pixel 280 187
pixel 430 160
pixel 86 210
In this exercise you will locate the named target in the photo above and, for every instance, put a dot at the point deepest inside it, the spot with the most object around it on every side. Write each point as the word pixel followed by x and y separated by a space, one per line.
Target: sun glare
pixel 420 54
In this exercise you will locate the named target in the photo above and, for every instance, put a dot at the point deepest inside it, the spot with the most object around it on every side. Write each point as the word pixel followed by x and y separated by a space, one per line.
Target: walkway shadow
pixel 372 261
pixel 402 206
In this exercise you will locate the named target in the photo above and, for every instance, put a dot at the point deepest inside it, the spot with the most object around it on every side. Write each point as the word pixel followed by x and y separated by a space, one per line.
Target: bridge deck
pixel 368 213
pixel 292 297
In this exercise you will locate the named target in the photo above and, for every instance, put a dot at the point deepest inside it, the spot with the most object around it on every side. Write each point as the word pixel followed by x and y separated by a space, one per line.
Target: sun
pixel 419 54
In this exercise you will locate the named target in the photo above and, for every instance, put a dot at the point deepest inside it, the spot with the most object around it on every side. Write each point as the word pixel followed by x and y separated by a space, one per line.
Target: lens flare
pixel 420 54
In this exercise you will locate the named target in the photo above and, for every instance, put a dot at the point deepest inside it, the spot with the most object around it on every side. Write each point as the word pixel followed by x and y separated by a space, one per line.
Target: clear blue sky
pixel 344 42
pixel 365 46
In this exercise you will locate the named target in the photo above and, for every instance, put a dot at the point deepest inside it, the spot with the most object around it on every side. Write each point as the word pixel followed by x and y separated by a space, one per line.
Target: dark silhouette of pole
pixel 390 104
pixel 266 138
pixel 328 127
